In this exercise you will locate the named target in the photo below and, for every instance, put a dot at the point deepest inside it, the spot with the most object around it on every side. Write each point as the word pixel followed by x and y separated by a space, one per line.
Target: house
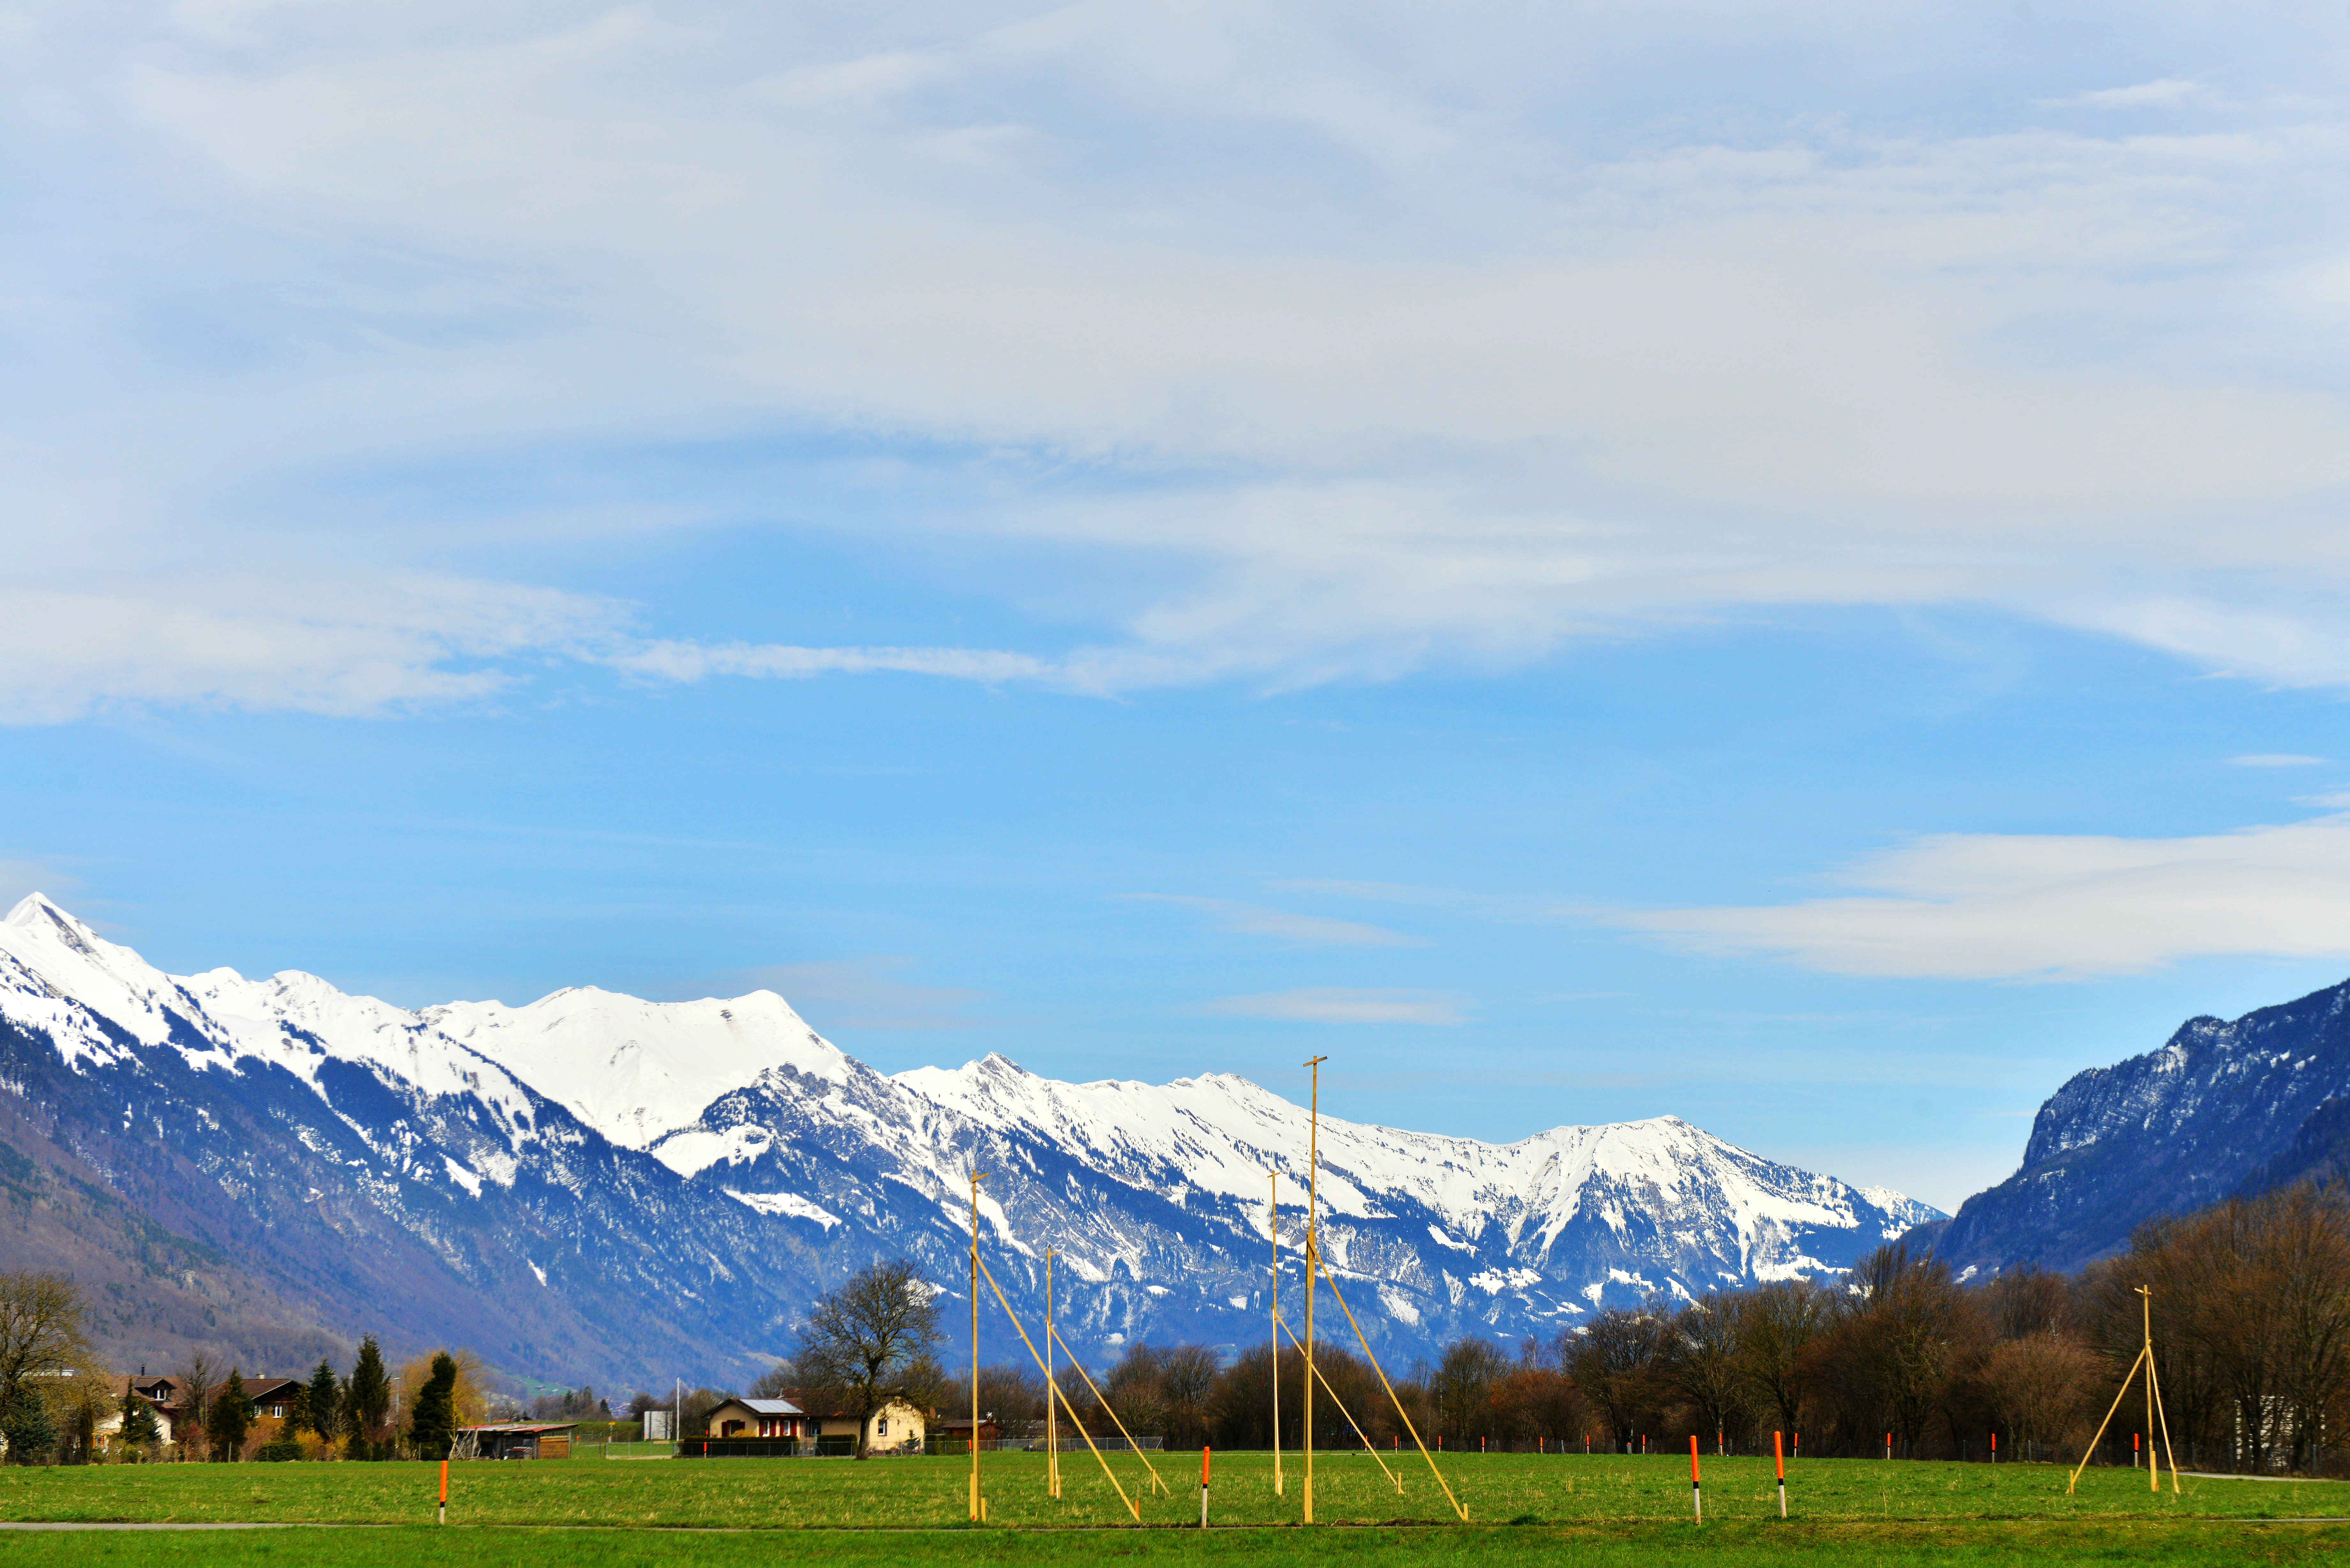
pixel 896 1426
pixel 757 1418
pixel 272 1399
pixel 168 1395
pixel 516 1440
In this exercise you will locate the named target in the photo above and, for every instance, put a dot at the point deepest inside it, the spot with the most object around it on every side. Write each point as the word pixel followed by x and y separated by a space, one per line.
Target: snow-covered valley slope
pixel 596 1185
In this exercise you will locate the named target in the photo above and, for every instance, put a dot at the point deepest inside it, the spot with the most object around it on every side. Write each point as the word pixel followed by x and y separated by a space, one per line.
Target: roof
pixel 769 1406
pixel 523 1429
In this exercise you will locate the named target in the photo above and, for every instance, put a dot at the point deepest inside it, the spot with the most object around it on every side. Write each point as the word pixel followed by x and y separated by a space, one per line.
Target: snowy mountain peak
pixel 732 1119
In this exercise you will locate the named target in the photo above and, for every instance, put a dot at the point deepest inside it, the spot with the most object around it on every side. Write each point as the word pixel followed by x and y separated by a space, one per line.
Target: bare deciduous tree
pixel 1613 1360
pixel 870 1342
pixel 1778 1322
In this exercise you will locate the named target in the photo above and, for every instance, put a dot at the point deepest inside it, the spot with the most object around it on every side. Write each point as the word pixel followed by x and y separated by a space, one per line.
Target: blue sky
pixel 1777 564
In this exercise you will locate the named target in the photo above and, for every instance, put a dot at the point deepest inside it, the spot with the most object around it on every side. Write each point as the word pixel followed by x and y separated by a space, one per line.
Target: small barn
pixel 517 1440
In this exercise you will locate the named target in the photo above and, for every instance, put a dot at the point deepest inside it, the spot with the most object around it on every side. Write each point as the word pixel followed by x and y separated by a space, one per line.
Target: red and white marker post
pixel 1204 1452
pixel 1696 1498
pixel 1779 1457
pixel 1889 1445
pixel 444 1492
pixel 1994 1448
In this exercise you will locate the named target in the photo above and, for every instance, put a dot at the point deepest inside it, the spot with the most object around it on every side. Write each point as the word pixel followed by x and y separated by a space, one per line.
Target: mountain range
pixel 598 1187
pixel 2223 1109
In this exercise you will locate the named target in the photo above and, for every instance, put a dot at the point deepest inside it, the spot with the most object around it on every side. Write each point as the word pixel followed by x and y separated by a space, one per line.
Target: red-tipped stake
pixel 1696 1498
pixel 1994 1448
pixel 1889 1445
pixel 1779 1456
pixel 1204 1452
pixel 444 1492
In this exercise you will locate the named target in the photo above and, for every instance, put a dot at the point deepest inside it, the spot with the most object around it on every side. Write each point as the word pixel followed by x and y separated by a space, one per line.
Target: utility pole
pixel 1052 1414
pixel 1273 1221
pixel 1313 1262
pixel 978 1504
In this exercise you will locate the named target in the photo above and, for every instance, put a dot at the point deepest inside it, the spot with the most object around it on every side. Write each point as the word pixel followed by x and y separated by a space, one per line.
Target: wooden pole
pixel 1272 1220
pixel 978 1503
pixel 2155 1382
pixel 1313 1260
pixel 1396 1399
pixel 1349 1415
pixel 2146 1302
pixel 1052 1411
pixel 1052 1390
pixel 2127 1377
pixel 1102 1400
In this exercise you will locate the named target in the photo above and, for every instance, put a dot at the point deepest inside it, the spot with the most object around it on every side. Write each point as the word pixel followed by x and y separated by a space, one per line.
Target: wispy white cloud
pixel 1285 924
pixel 2057 906
pixel 2276 760
pixel 308 643
pixel 687 661
pixel 2166 92
pixel 1340 1006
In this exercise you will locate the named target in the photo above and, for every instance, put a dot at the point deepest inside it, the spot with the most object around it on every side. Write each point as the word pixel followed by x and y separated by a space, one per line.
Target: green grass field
pixel 1520 1489
pixel 2186 1543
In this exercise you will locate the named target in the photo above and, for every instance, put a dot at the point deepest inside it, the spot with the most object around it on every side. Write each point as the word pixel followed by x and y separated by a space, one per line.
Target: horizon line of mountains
pixel 599 1188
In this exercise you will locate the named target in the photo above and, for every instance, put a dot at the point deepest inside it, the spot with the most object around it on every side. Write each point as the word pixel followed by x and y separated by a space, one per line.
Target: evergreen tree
pixel 367 1403
pixel 27 1425
pixel 139 1424
pixel 231 1419
pixel 319 1412
pixel 434 1427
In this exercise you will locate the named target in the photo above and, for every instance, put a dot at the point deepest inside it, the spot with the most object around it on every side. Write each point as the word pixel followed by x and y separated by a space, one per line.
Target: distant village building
pixel 769 1420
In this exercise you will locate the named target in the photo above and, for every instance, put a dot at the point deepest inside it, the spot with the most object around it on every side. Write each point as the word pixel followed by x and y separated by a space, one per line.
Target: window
pixel 882 1426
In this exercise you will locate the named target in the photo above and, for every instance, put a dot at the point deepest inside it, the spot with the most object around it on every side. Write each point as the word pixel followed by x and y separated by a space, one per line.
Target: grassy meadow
pixel 2170 1543
pixel 1518 1489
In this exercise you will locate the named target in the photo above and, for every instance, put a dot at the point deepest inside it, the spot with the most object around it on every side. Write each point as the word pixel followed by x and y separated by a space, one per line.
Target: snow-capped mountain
pixel 596 1185
pixel 2221 1107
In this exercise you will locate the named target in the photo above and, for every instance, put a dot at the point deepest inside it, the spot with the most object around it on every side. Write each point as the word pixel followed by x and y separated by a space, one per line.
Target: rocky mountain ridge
pixel 595 1185
pixel 2222 1107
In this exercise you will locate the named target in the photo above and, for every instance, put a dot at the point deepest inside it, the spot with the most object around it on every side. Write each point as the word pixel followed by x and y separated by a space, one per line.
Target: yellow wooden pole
pixel 2118 1397
pixel 1319 1377
pixel 1313 1259
pixel 2154 1386
pixel 978 1503
pixel 1102 1400
pixel 2153 1476
pixel 1052 1410
pixel 1053 1389
pixel 1393 1396
pixel 1273 1221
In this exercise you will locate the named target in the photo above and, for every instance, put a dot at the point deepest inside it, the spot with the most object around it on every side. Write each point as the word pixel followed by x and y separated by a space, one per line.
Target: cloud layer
pixel 1356 340
pixel 2001 906
pixel 1331 1005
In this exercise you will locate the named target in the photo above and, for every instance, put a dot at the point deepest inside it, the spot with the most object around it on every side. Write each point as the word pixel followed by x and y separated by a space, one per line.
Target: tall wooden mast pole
pixel 1313 1262
pixel 1052 1412
pixel 2153 1475
pixel 1272 1223
pixel 978 1507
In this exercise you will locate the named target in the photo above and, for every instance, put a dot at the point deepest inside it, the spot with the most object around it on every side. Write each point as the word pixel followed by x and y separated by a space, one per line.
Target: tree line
pixel 2250 1314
